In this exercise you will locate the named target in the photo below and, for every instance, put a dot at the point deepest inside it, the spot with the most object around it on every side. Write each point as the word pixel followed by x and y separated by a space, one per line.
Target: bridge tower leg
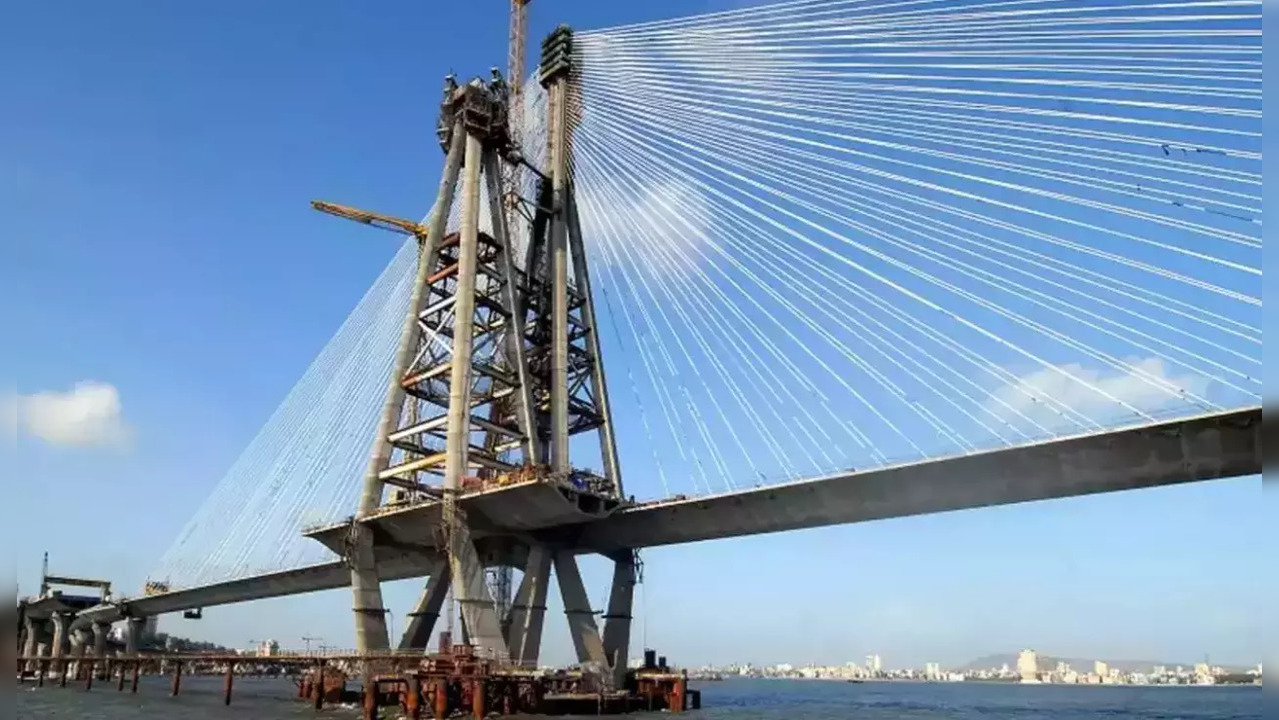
pixel 459 371
pixel 577 607
pixel 371 633
pixel 566 242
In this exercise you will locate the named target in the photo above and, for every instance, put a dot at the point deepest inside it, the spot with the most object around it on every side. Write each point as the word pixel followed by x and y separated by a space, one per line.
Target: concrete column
pixel 371 634
pixel 100 632
pixel 581 619
pixel 33 629
pixel 458 439
pixel 479 615
pixel 582 275
pixel 465 571
pixel 558 98
pixel 422 620
pixel 132 634
pixel 617 621
pixel 61 636
pixel 80 640
pixel 528 612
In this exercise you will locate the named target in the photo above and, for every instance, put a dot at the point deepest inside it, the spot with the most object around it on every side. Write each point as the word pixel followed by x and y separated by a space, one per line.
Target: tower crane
pixel 516 53
pixel 500 578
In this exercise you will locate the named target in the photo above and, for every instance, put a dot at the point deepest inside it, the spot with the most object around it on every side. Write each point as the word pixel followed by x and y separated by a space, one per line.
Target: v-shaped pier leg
pixel 479 613
pixel 617 621
pixel 529 609
pixel 581 619
pixel 417 636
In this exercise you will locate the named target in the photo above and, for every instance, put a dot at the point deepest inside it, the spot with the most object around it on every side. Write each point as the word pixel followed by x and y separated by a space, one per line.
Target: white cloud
pixel 1147 385
pixel 87 415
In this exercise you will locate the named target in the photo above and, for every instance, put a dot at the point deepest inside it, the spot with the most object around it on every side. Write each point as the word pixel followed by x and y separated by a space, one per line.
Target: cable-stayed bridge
pixel 842 261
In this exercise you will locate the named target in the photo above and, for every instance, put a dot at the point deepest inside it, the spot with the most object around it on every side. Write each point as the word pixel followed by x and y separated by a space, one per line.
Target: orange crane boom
pixel 377 220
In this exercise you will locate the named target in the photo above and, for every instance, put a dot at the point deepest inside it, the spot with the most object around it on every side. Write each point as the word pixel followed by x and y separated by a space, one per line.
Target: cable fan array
pixel 839 234
pixel 305 465
pixel 835 235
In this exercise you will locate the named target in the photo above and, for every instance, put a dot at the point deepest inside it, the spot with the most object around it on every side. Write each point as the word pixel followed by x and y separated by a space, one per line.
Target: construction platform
pixel 455 682
pixel 450 683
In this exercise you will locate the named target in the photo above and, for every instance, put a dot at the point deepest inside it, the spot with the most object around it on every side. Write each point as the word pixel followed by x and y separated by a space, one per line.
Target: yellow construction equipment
pixel 377 220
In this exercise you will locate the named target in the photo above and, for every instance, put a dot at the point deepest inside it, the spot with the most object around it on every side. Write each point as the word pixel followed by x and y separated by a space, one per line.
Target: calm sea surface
pixel 260 699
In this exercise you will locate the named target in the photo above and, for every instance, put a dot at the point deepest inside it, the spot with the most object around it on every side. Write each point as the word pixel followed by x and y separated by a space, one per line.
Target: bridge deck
pixel 1206 447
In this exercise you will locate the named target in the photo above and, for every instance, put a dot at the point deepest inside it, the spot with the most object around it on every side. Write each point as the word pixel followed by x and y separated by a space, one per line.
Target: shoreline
pixel 1015 683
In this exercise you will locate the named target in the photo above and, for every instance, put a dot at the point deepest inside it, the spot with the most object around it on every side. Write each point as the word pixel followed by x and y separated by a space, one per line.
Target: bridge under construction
pixel 495 446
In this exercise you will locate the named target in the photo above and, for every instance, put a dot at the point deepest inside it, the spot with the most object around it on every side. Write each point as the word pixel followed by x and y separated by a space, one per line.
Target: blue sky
pixel 159 165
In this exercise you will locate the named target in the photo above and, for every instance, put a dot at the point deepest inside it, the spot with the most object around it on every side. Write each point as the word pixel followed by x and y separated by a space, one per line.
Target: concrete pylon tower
pixel 496 368
pixel 459 371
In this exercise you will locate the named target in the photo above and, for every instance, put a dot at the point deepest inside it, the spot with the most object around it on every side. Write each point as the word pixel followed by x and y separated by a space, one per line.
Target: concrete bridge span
pixel 1206 447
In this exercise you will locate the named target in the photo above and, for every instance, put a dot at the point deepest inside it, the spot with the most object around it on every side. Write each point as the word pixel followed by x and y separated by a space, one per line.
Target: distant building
pixel 1100 669
pixel 932 671
pixel 874 665
pixel 1028 665
pixel 268 648
pixel 1204 674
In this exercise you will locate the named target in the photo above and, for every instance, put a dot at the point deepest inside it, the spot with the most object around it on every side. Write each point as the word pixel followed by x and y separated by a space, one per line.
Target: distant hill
pixel 1048 662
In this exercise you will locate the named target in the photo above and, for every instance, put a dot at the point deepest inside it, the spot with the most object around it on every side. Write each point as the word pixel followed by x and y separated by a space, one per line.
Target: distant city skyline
pixel 1027 666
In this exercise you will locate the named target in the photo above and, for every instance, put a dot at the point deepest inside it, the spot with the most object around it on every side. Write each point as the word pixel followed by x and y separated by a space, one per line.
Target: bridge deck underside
pixel 521 508
pixel 1201 448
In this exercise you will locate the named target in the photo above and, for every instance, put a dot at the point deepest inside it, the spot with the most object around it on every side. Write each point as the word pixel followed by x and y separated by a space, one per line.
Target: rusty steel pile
pixel 451 682
pixel 455 682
